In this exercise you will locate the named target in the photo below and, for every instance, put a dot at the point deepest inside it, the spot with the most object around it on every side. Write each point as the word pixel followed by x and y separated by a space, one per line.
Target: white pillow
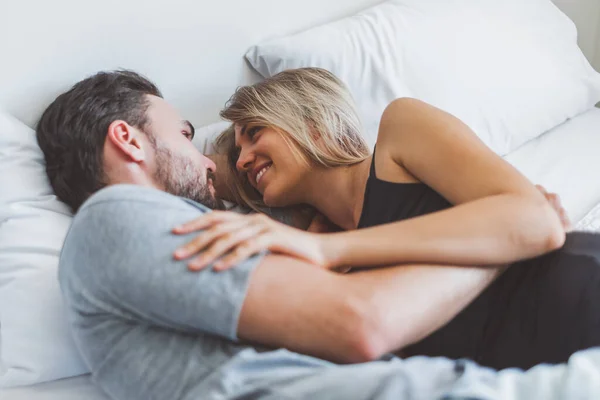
pixel 36 342
pixel 510 69
pixel 206 135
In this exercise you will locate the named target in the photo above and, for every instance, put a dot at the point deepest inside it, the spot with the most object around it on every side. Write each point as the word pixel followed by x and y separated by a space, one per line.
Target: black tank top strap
pixel 386 202
pixel 372 172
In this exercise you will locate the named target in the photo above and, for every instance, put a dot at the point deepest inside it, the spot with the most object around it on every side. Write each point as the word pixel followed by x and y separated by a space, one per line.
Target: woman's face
pixel 270 164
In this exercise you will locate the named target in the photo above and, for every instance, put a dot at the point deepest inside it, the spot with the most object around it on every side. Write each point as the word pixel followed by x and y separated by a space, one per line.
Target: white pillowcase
pixel 206 135
pixel 37 345
pixel 510 69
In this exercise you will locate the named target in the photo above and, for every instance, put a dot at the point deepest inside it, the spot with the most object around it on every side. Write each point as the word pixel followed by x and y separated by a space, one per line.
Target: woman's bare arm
pixel 499 216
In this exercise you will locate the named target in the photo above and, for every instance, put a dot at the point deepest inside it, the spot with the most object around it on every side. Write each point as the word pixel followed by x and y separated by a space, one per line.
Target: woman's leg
pixel 540 311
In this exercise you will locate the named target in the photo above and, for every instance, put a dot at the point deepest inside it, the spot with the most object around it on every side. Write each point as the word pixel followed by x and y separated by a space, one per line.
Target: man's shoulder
pixel 121 228
pixel 124 194
pixel 125 219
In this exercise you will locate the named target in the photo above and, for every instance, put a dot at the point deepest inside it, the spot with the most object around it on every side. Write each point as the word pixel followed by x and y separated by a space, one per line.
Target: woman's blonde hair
pixel 301 104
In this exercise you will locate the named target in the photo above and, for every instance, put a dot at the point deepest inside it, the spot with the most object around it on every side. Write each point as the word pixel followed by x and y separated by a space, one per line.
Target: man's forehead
pixel 161 106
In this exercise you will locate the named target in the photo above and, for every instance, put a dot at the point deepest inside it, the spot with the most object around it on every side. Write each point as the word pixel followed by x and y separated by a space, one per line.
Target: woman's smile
pixel 256 175
pixel 262 173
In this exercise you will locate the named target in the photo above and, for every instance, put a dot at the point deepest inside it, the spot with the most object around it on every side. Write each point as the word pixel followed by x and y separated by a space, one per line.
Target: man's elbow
pixel 366 349
pixel 367 341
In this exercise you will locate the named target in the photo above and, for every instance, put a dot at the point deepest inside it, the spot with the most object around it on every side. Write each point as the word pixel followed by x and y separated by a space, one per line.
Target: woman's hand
pixel 234 237
pixel 554 200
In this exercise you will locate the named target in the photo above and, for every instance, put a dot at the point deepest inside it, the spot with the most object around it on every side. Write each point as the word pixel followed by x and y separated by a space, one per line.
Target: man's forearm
pixel 354 317
pixel 402 305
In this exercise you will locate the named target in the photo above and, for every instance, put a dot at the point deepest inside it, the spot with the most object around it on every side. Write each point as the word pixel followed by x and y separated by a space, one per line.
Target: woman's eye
pixel 187 135
pixel 253 131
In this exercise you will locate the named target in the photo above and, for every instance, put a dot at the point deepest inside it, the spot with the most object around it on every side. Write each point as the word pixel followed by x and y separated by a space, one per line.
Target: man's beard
pixel 179 177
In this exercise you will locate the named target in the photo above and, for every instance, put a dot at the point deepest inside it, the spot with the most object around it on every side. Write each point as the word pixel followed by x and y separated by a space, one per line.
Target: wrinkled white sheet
pixel 79 388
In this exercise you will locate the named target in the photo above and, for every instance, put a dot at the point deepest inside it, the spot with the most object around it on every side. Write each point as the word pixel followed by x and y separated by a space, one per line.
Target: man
pixel 150 329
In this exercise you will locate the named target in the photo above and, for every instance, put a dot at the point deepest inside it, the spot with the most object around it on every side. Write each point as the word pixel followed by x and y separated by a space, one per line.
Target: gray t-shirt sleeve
pixel 120 252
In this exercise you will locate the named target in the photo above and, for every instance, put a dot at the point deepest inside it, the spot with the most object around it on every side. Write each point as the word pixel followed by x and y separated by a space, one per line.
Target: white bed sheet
pixel 566 160
pixel 79 388
pixel 591 222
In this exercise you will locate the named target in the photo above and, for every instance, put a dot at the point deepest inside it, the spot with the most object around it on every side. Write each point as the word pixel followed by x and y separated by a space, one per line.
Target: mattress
pixel 565 160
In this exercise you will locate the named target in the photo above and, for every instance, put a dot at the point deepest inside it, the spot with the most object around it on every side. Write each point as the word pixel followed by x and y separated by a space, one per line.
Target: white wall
pixel 597 58
pixel 192 49
pixel 586 15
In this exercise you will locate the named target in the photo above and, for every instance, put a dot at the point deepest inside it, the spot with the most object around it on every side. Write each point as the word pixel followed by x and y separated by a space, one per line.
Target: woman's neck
pixel 338 193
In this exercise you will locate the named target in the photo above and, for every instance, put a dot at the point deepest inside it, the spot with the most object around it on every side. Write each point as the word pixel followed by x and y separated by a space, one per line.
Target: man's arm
pixel 119 252
pixel 356 317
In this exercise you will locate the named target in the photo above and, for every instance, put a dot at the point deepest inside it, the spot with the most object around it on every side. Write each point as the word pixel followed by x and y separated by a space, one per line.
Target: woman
pixel 430 193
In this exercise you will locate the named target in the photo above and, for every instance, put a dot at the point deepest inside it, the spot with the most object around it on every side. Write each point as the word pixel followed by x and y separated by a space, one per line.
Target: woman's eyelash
pixel 253 131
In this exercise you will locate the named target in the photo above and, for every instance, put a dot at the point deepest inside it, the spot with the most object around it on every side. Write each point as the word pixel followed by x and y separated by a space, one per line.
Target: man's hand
pixel 554 200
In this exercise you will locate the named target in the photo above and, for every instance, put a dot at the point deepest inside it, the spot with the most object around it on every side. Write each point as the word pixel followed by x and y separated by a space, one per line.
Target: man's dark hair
pixel 73 129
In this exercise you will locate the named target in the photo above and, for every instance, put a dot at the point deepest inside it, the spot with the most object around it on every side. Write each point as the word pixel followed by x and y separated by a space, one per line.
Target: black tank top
pixel 390 202
pixel 540 310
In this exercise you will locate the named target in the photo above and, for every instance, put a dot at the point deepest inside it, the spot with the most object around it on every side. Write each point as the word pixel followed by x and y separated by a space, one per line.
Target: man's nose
pixel 210 165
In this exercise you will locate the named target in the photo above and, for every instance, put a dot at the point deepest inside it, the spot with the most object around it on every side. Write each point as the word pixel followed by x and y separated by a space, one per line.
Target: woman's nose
pixel 244 162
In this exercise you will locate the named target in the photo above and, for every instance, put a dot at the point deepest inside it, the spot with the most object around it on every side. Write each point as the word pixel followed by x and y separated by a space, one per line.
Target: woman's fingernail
pixel 217 266
pixel 180 253
pixel 195 266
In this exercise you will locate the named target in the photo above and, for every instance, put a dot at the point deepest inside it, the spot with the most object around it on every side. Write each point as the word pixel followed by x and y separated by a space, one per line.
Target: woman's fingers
pixel 241 253
pixel 556 203
pixel 224 232
pixel 542 189
pixel 207 237
pixel 224 244
pixel 250 247
pixel 206 221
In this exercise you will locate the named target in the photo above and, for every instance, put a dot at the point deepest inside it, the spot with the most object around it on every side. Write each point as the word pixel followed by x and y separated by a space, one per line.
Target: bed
pixel 195 54
pixel 78 388
pixel 564 159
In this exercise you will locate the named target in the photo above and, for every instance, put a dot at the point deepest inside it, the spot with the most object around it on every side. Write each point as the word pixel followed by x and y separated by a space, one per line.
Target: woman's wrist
pixel 333 248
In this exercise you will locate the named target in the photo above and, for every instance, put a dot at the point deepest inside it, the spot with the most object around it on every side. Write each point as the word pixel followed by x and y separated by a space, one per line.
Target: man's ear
pixel 127 139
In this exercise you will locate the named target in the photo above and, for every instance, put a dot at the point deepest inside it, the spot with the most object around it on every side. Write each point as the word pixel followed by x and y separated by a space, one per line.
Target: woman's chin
pixel 272 200
pixel 269 202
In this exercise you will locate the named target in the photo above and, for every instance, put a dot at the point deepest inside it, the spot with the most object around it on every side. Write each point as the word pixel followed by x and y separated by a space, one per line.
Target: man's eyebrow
pixel 191 127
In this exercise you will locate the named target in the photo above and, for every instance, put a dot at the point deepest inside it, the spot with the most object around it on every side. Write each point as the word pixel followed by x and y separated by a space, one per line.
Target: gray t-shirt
pixel 146 326
pixel 149 329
